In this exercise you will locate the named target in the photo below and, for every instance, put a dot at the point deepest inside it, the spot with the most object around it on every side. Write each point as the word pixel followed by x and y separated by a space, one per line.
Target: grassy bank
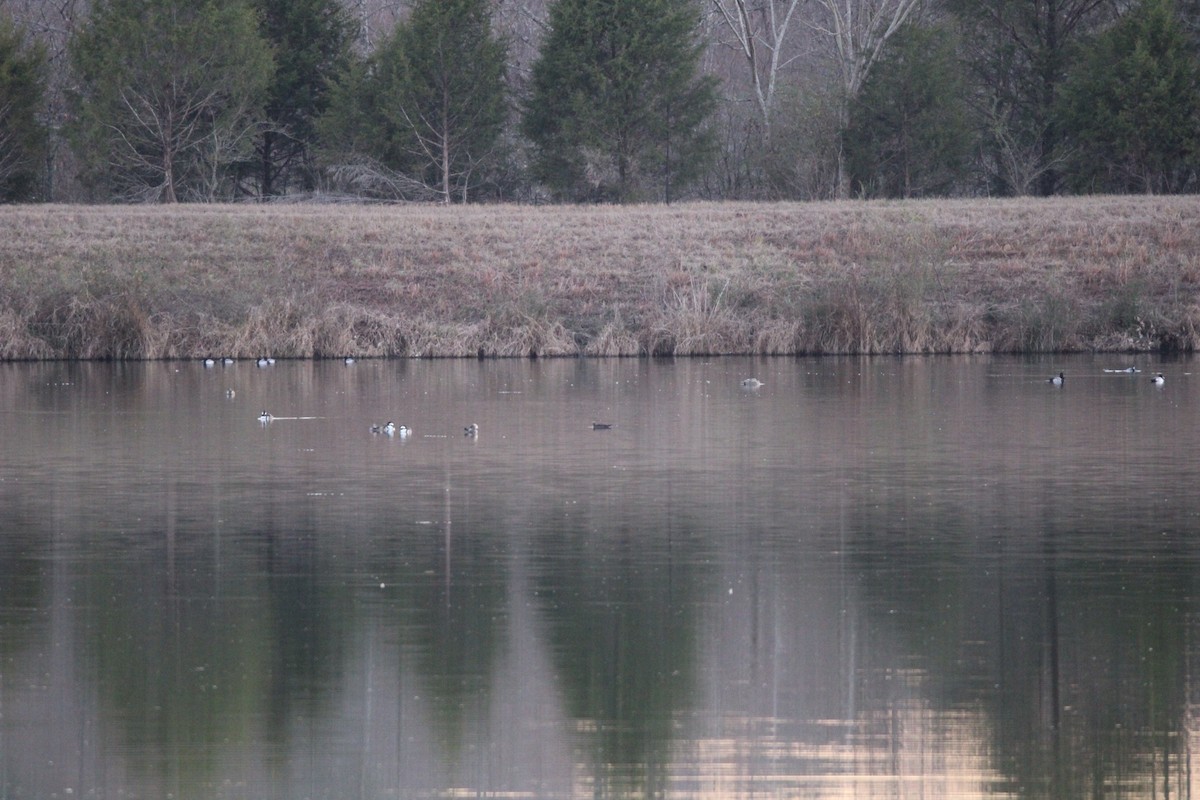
pixel 940 276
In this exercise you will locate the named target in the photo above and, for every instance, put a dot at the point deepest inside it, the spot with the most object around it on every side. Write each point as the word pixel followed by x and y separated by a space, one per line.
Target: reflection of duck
pixel 471 430
pixel 1058 379
pixel 264 417
pixel 751 383
pixel 601 426
pixel 1158 379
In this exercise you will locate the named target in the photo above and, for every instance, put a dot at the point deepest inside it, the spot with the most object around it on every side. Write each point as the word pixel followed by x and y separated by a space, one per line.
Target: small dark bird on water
pixel 471 430
pixel 602 426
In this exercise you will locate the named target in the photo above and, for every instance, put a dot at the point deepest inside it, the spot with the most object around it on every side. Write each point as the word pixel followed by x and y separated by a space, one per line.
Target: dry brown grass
pixel 852 277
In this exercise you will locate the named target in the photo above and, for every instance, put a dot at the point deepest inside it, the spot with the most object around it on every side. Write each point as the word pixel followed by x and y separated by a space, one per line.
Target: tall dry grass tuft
pixel 422 281
pixel 698 319
pixel 344 329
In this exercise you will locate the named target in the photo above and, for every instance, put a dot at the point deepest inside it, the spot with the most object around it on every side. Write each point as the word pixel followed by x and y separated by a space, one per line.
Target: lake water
pixel 892 578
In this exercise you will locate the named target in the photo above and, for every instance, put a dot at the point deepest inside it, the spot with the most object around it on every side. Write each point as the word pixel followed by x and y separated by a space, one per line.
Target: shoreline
pixel 1024 275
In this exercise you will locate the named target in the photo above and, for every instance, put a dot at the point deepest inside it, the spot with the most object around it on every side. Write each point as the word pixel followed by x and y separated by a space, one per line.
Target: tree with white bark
pixel 858 31
pixel 760 31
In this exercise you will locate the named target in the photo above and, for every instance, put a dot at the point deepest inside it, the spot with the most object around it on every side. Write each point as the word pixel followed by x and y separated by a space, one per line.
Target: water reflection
pixel 868 578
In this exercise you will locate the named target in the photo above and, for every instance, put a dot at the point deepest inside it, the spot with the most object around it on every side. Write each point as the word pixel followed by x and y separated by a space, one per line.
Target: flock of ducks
pixel 265 361
pixel 403 431
pixel 1158 379
pixel 389 428
pixel 472 430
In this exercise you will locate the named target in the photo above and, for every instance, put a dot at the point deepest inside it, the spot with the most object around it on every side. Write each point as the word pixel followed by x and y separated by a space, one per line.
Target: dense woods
pixel 595 100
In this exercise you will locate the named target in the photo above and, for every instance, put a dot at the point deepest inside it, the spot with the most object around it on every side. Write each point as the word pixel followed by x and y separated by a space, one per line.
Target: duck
pixel 751 383
pixel 209 362
pixel 265 362
pixel 264 417
pixel 230 393
pixel 601 426
pixel 348 360
pixel 226 361
pixel 1158 380
pixel 1058 379
pixel 389 428
pixel 403 430
pixel 471 430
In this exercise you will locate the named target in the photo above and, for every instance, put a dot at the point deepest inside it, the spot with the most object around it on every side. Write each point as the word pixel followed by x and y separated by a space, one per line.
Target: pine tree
pixel 908 134
pixel 171 93
pixel 452 93
pixel 1020 52
pixel 311 41
pixel 430 104
pixel 1132 108
pixel 617 106
pixel 22 136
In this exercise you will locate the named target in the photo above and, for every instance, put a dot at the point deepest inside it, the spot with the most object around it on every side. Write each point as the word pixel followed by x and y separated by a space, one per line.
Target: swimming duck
pixel 1058 379
pixel 226 361
pixel 601 426
pixel 1158 379
pixel 751 383
pixel 209 362
pixel 264 362
pixel 230 393
pixel 348 360
pixel 389 428
pixel 403 431
pixel 471 430
pixel 264 417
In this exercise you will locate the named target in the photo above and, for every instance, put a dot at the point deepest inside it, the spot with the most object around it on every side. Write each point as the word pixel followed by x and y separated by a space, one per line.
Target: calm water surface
pixel 868 578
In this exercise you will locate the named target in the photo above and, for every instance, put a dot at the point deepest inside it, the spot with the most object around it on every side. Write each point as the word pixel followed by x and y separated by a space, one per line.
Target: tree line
pixel 595 100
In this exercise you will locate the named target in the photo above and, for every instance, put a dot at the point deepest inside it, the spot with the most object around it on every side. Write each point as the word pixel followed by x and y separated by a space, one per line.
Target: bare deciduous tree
pixel 858 30
pixel 376 19
pixel 10 156
pixel 52 23
pixel 760 31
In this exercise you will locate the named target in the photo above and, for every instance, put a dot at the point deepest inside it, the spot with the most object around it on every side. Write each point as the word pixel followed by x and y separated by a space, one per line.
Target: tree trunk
pixel 445 137
pixel 267 189
pixel 168 168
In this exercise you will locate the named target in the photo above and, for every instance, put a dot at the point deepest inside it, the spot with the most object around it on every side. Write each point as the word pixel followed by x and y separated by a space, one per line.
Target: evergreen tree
pixel 908 134
pixel 430 104
pixel 311 40
pixel 1019 52
pixel 617 106
pixel 22 135
pixel 1133 106
pixel 171 93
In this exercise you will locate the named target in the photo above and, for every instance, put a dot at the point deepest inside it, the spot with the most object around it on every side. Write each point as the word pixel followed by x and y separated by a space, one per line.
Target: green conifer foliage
pixel 617 105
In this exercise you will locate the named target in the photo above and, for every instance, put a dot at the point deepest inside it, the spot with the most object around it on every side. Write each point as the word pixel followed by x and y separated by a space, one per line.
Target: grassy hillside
pixel 939 276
